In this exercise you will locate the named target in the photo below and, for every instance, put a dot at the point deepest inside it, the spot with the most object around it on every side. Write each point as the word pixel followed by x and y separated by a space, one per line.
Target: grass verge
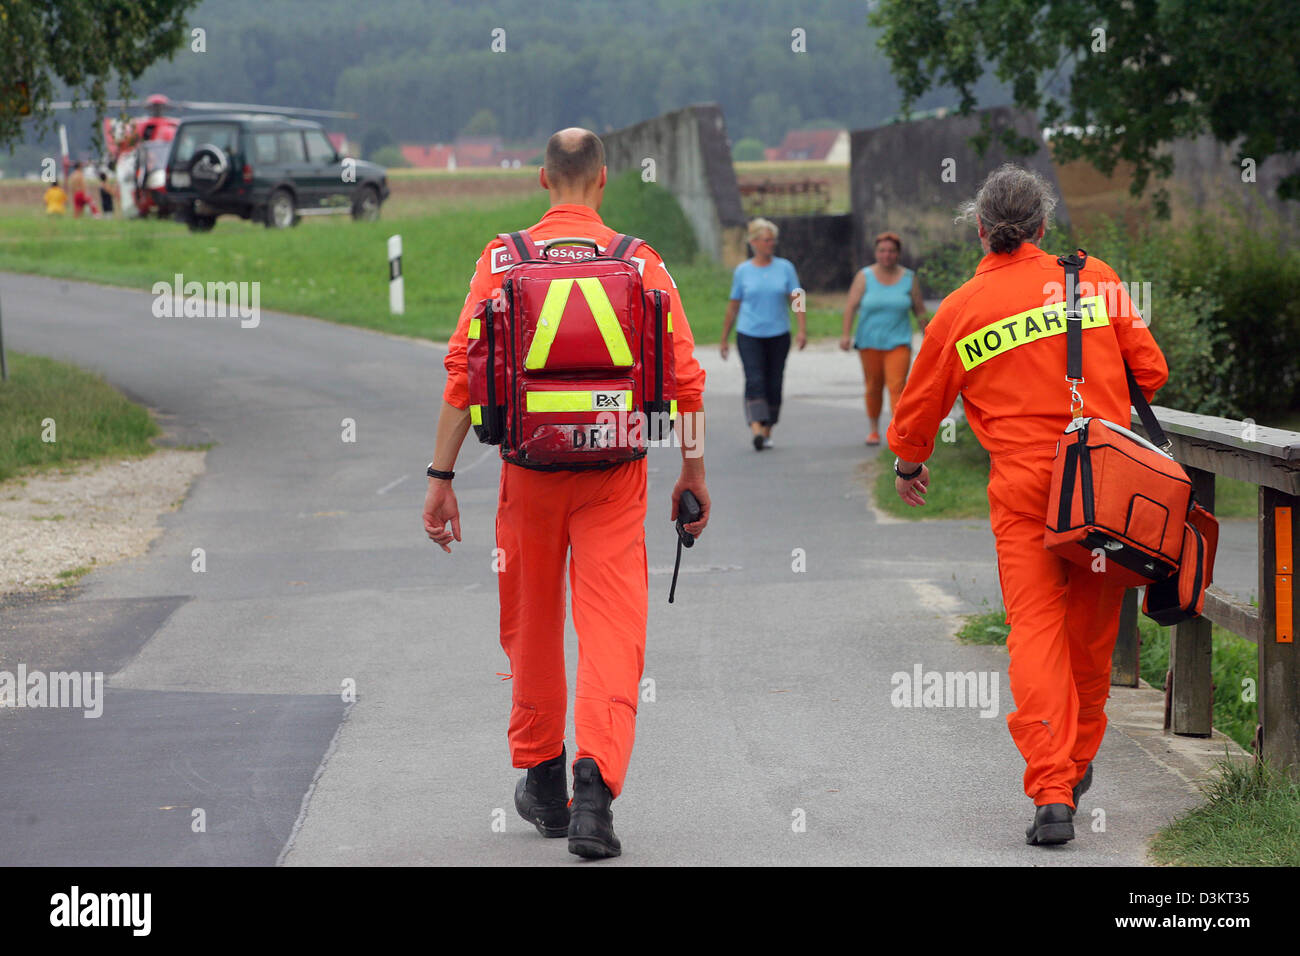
pixel 85 416
pixel 1251 817
pixel 959 479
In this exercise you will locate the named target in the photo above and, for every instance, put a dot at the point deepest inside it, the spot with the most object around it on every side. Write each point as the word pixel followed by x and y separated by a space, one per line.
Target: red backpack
pixel 572 366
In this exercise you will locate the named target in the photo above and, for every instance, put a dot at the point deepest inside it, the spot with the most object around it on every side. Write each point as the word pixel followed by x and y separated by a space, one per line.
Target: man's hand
pixel 801 340
pixel 724 349
pixel 440 507
pixel 913 492
pixel 844 343
pixel 692 478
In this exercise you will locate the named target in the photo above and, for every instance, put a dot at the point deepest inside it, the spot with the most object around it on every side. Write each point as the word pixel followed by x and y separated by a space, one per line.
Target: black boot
pixel 1081 787
pixel 591 826
pixel 1053 823
pixel 542 797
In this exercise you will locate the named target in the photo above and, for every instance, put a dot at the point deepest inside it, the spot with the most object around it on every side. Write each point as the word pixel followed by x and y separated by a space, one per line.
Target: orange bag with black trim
pixel 1120 505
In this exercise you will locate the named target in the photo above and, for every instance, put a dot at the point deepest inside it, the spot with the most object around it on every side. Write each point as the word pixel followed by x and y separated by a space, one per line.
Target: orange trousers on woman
pixel 883 369
pixel 599 516
pixel 1064 619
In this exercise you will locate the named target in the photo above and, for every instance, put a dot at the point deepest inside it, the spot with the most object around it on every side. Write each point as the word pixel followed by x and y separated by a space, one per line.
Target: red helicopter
pixel 136 147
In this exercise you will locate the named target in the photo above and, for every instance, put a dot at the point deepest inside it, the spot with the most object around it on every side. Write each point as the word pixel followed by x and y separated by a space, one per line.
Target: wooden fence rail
pixel 1270 459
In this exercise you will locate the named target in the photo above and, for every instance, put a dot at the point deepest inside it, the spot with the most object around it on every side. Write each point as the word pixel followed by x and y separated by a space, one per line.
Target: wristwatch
pixel 435 473
pixel 911 475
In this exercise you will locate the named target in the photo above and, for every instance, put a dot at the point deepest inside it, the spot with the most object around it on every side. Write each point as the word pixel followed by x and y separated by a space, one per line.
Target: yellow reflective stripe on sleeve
pixel 670 321
pixel 1013 331
pixel 475 328
pixel 548 323
pixel 575 401
pixel 476 414
pixel 603 312
pixel 672 408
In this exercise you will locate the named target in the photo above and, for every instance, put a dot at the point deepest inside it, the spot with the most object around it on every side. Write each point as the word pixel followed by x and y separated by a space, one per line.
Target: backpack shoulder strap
pixel 622 247
pixel 520 244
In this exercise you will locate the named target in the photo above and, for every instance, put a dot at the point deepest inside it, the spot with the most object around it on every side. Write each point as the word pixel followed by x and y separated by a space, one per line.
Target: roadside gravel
pixel 84 517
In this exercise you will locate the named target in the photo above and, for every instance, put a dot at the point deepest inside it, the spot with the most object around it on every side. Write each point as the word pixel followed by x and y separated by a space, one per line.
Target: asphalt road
pixel 771 737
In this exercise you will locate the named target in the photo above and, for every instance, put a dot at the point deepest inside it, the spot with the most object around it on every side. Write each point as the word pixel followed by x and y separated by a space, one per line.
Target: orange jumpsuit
pixel 600 516
pixel 994 342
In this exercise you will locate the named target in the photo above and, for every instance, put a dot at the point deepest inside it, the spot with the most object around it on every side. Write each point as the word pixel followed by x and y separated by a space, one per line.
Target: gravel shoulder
pixel 54 524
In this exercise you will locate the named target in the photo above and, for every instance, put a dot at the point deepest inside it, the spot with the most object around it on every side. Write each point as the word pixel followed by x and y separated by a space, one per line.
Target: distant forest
pixel 426 71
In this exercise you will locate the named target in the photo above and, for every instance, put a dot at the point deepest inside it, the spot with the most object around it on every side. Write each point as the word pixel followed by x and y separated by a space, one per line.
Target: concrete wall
pixel 692 161
pixel 821 248
pixel 1207 173
pixel 896 180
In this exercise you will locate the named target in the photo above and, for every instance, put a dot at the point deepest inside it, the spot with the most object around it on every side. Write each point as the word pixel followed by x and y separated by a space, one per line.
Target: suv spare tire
pixel 209 169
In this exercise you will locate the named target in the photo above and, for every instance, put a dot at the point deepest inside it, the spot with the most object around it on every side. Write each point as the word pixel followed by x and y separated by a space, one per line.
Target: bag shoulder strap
pixel 521 244
pixel 1149 420
pixel 622 247
pixel 1074 350
pixel 1073 317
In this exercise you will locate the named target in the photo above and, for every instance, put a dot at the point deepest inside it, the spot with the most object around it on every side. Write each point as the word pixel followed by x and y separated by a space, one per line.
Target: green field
pixel 337 269
pixel 90 418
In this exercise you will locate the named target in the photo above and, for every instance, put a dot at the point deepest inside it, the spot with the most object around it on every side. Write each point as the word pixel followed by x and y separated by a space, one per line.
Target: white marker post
pixel 396 294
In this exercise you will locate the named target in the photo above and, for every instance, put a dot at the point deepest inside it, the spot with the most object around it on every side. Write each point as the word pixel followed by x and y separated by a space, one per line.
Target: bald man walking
pixel 595 519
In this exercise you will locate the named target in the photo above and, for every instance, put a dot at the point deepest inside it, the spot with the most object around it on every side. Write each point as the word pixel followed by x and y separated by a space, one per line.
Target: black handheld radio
pixel 688 512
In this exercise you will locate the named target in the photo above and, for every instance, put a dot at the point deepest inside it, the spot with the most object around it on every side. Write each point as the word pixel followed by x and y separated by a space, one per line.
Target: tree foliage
pixel 422 69
pixel 81 46
pixel 1128 75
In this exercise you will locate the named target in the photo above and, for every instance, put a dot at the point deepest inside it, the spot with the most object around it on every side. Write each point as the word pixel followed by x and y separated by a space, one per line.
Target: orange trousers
pixel 600 516
pixel 883 369
pixel 1064 619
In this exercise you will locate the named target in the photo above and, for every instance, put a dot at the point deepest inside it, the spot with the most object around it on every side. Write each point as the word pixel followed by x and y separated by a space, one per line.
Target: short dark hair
pixel 573 163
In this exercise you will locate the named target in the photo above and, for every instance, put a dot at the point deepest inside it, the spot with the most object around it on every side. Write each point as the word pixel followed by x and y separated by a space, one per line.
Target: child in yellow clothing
pixel 56 200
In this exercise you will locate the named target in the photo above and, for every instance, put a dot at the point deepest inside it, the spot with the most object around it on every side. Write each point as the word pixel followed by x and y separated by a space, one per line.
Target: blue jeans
pixel 764 362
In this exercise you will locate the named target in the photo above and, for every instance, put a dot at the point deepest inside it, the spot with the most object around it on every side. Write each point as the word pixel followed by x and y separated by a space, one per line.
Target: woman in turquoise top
pixel 883 298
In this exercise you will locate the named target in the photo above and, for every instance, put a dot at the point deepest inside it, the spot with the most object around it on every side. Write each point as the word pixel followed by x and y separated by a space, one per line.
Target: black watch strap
pixel 444 475
pixel 910 475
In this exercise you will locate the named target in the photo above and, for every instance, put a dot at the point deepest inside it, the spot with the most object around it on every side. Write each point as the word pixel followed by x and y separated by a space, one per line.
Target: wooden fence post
pixel 1190 650
pixel 1124 659
pixel 1279 663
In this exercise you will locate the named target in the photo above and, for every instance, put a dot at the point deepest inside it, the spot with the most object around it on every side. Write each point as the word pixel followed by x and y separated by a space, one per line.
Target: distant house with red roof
pixel 478 151
pixel 434 156
pixel 344 146
pixel 812 145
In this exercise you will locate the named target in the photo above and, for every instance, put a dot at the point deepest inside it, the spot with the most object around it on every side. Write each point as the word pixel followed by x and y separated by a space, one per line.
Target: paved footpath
pixel 771 737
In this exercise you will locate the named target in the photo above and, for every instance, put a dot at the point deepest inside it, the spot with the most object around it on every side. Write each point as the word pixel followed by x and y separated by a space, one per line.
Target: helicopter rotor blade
pixel 260 108
pixel 86 104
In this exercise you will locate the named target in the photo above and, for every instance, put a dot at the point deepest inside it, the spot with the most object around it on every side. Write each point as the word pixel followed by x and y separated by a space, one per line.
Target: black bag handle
pixel 1074 352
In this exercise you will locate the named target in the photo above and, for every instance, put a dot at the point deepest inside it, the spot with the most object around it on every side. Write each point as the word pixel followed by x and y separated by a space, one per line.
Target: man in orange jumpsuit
pixel 993 342
pixel 600 516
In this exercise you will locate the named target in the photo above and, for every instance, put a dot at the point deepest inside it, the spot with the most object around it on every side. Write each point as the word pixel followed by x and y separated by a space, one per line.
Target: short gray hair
pixel 1011 204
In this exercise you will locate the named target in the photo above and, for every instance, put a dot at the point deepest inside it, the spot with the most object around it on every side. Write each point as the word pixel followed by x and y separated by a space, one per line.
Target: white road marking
pixel 391 485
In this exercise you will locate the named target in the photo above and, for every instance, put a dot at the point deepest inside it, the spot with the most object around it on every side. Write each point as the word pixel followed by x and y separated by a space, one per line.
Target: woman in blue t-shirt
pixel 883 298
pixel 763 290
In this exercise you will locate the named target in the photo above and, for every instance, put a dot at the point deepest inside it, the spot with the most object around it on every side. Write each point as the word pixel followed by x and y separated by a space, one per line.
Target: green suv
pixel 265 168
